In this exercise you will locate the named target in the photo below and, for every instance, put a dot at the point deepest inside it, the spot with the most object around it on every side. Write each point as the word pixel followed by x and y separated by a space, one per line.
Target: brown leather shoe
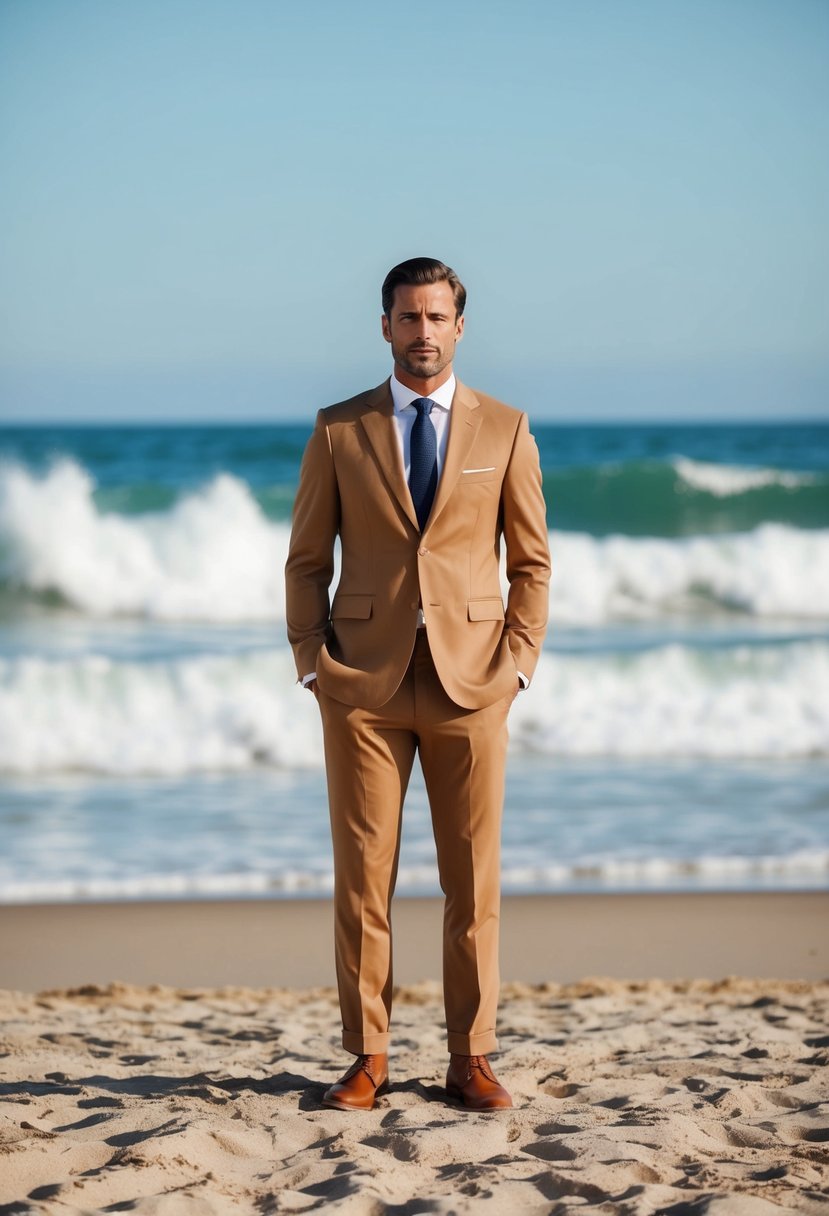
pixel 471 1079
pixel 356 1089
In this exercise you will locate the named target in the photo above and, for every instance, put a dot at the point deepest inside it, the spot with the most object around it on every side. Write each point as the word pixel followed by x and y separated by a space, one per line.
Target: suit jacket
pixel 352 484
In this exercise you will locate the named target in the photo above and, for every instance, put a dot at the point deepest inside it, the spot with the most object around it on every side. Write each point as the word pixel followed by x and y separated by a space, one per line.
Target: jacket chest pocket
pixel 479 473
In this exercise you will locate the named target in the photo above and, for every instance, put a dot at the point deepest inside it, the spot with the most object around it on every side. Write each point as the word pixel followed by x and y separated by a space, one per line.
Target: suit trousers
pixel 368 756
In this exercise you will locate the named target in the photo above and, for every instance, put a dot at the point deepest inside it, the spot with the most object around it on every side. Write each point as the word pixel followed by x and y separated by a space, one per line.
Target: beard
pixel 422 365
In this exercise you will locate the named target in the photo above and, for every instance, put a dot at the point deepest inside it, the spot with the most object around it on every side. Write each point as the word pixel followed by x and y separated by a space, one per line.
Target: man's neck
pixel 425 387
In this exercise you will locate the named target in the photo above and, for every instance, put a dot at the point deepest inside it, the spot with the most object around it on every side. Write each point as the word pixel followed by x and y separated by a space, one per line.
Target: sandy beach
pixel 702 1093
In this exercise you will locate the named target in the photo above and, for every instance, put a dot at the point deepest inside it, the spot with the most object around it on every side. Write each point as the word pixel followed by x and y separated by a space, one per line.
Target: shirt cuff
pixel 306 680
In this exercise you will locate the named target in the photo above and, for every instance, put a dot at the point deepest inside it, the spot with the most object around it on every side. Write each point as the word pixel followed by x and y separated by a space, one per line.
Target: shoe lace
pixel 367 1065
pixel 482 1063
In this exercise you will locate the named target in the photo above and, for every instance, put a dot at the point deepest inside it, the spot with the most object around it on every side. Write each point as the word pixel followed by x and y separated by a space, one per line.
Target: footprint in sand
pixel 401 1148
pixel 550 1150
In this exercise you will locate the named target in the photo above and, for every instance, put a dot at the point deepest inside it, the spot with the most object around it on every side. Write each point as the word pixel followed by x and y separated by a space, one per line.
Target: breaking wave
pixel 213 713
pixel 214 555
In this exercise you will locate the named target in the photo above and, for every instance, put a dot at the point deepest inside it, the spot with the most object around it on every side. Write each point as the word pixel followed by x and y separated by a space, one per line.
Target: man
pixel 420 478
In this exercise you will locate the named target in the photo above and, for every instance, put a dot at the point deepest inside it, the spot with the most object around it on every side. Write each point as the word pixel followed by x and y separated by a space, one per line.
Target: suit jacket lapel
pixel 379 425
pixel 464 421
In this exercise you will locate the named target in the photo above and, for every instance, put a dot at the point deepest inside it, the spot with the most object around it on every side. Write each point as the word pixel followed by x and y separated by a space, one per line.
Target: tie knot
pixel 423 405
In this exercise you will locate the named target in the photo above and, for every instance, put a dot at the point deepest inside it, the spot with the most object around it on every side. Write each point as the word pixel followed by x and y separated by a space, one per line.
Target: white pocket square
pixel 490 469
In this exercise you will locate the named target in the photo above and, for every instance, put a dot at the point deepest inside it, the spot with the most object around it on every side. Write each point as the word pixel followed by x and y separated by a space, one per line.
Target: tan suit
pixel 387 689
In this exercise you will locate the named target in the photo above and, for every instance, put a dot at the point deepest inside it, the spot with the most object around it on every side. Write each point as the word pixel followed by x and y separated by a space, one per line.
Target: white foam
pixel 799 869
pixel 203 714
pixel 212 557
pixel 677 701
pixel 233 712
pixel 215 557
pixel 772 571
pixel 724 480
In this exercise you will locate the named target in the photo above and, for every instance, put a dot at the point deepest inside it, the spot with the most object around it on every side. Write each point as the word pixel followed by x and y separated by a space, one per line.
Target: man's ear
pixel 459 328
pixel 384 322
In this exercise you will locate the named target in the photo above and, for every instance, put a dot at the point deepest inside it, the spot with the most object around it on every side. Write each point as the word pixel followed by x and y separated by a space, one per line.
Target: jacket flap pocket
pixel 355 607
pixel 491 609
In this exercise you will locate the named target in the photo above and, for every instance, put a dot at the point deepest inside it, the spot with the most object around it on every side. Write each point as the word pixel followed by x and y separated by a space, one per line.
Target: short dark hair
pixel 418 271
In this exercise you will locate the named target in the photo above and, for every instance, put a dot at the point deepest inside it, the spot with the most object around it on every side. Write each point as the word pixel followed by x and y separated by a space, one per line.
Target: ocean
pixel 153 741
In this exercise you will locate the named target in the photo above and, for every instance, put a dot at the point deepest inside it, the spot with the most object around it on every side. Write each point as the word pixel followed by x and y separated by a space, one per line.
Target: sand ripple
pixel 681 1099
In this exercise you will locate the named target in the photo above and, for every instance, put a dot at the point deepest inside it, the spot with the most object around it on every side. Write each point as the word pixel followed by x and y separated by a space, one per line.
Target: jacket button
pixel 413 604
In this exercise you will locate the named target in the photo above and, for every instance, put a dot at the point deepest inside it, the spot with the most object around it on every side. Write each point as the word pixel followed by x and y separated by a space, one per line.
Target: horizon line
pixel 562 420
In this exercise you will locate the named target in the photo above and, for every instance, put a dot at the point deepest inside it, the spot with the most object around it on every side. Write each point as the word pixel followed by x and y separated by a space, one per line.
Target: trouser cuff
pixel 366 1044
pixel 480 1044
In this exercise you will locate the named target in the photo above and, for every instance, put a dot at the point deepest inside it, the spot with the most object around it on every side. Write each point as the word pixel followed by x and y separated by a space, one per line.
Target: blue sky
pixel 201 201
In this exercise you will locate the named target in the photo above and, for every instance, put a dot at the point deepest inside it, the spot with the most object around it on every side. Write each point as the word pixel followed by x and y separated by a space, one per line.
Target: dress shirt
pixel 404 419
pixel 405 414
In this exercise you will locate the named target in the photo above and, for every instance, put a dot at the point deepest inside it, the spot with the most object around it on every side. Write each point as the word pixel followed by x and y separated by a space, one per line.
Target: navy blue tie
pixel 423 460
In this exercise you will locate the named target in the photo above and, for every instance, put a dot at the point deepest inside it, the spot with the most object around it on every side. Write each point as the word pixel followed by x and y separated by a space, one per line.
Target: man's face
pixel 423 329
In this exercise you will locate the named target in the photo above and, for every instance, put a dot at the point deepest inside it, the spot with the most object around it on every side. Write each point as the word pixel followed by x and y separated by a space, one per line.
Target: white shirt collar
pixel 402 395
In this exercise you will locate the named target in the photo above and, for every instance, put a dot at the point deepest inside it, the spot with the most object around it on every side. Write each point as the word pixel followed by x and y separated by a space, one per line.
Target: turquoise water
pixel 641 480
pixel 152 738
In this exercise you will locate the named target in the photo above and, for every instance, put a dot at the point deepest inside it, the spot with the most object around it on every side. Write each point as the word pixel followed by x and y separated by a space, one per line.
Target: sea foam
pixel 234 712
pixel 725 480
pixel 802 868
pixel 213 556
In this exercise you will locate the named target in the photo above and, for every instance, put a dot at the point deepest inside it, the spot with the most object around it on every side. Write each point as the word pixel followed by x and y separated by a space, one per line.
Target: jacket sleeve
pixel 310 565
pixel 528 553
